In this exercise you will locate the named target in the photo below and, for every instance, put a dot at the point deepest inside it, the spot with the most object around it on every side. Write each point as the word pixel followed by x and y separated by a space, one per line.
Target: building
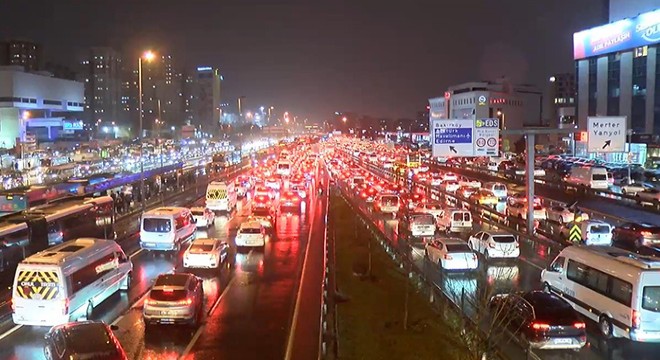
pixel 21 52
pixel 100 68
pixel 207 100
pixel 561 99
pixel 242 105
pixel 37 105
pixel 618 70
pixel 621 9
pixel 516 106
pixel 187 96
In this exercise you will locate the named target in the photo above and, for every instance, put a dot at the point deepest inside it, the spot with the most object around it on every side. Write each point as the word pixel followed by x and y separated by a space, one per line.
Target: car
pixel 451 254
pixel 83 340
pixel 637 234
pixel 203 216
pixel 263 191
pixel 449 186
pixel 466 191
pixel 465 181
pixel 205 253
pixel 485 198
pixel 413 200
pixel 301 190
pixel 520 198
pixel 267 221
pixel 251 234
pixel 433 208
pixel 634 188
pixel 543 320
pixel 495 244
pixel 289 200
pixel 563 215
pixel 520 211
pixel 651 195
pixel 174 299
pixel 417 224
pixel 450 176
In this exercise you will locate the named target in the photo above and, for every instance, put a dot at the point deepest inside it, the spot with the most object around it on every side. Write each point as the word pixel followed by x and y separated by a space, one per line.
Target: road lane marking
pixel 10 331
pixel 135 253
pixel 296 311
pixel 200 329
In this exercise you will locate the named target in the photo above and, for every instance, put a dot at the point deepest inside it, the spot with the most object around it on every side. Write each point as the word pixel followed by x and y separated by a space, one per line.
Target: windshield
pixel 156 225
pixel 599 229
pixel 461 216
pixel 197 212
pixel 199 248
pixel 598 177
pixel 423 219
pixel 250 231
pixel 499 187
pixel 90 342
pixel 458 248
pixel 390 200
pixel 168 295
pixel 504 238
pixel 283 166
pixel 651 299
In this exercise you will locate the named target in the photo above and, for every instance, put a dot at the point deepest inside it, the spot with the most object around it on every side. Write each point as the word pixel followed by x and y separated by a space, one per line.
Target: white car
pixel 464 181
pixel 648 195
pixel 205 253
pixel 634 188
pixel 519 210
pixel 450 186
pixel 203 216
pixel 495 244
pixel 563 215
pixel 267 221
pixel 450 177
pixel 451 254
pixel 539 172
pixel 263 191
pixel 251 234
pixel 432 208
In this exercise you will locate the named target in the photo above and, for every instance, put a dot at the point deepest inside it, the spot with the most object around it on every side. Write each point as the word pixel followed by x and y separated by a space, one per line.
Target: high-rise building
pixel 187 96
pixel 21 52
pixel 561 99
pixel 100 69
pixel 241 103
pixel 169 92
pixel 206 101
pixel 618 67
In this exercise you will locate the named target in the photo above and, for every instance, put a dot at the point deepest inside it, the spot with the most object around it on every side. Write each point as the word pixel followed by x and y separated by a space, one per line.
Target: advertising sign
pixel 465 137
pixel 72 124
pixel 606 134
pixel 625 34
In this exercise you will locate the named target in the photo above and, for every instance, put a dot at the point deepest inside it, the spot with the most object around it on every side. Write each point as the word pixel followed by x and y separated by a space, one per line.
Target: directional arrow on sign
pixel 607 143
pixel 453 149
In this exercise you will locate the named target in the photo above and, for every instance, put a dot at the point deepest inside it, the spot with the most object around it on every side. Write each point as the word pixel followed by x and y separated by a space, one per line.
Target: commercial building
pixel 561 99
pixel 99 68
pixel 515 105
pixel 21 52
pixel 37 106
pixel 207 99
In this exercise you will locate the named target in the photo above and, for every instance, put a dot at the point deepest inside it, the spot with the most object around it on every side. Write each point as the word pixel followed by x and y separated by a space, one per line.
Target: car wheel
pixel 605 327
pixel 561 220
pixel 546 288
pixel 47 354
pixel 127 283
pixel 624 192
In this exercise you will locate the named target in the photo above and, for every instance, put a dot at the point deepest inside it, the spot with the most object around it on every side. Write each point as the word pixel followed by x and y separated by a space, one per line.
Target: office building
pixel 622 9
pixel 21 52
pixel 100 69
pixel 618 68
pixel 516 106
pixel 37 106
pixel 207 99
pixel 561 100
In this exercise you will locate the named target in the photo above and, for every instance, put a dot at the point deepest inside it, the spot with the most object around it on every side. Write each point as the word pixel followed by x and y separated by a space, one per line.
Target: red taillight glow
pixel 186 301
pixel 636 319
pixel 448 257
pixel 540 326
pixel 580 325
pixel 646 233
pixel 168 291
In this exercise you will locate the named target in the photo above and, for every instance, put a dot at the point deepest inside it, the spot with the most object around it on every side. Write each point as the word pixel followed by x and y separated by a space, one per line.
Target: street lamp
pixel 147 56
pixel 344 119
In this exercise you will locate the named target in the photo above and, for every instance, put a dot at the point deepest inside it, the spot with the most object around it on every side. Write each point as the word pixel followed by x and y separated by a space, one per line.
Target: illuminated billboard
pixel 621 35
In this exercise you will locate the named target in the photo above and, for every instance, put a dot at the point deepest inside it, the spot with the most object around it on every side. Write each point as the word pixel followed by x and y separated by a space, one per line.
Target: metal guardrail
pixel 327 335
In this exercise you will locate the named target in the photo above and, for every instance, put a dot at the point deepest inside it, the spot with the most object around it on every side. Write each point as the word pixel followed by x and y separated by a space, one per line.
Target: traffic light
pixel 581 136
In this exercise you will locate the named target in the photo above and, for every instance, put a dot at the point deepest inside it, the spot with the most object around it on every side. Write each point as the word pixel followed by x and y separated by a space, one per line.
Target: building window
pixel 593 85
pixel 638 111
pixel 613 83
pixel 641 51
pixel 656 116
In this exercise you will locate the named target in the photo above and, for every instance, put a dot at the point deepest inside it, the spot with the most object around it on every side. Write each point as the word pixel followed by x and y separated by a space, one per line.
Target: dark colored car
pixel 83 340
pixel 543 320
pixel 633 235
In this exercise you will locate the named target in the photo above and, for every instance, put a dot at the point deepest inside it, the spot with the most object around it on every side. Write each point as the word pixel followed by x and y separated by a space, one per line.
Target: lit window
pixel 641 51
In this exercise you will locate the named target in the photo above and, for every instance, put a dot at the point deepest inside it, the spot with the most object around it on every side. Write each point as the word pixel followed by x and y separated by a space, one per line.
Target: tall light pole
pixel 148 56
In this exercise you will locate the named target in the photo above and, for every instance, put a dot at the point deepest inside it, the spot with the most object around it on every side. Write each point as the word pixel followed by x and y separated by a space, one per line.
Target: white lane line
pixel 10 331
pixel 199 331
pixel 135 253
pixel 296 311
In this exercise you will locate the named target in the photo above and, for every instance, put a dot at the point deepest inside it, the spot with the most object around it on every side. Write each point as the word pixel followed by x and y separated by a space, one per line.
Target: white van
pixel 594 232
pixel 594 177
pixel 221 196
pixel 387 203
pixel 166 228
pixel 66 282
pixel 283 168
pixel 455 220
pixel 617 289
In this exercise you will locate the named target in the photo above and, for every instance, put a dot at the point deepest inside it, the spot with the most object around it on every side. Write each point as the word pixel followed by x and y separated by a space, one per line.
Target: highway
pixel 251 299
pixel 503 277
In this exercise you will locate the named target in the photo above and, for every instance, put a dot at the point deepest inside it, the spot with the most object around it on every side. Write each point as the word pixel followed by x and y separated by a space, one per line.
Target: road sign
pixel 465 137
pixel 575 235
pixel 606 134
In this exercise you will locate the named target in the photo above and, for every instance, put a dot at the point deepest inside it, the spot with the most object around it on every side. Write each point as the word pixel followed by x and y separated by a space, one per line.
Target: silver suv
pixel 174 299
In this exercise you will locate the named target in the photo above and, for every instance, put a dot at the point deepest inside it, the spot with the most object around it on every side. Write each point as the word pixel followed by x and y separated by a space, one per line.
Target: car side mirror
pixel 195 220
pixel 114 327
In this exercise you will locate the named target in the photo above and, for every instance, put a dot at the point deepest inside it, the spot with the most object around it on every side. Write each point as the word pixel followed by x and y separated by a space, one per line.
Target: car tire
pixel 561 220
pixel 127 283
pixel 605 327
pixel 546 288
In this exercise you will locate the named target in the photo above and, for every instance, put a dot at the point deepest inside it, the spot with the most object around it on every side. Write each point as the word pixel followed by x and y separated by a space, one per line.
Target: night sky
pixel 315 57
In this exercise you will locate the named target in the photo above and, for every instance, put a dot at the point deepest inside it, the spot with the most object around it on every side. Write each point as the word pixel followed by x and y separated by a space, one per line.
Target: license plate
pixel 563 341
pixel 166 312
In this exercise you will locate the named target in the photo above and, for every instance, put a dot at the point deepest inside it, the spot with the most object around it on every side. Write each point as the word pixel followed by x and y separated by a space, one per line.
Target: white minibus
pixel 166 228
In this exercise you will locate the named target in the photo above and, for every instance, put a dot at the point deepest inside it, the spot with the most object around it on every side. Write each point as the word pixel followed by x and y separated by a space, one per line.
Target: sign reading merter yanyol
pixel 465 137
pixel 641 30
pixel 606 134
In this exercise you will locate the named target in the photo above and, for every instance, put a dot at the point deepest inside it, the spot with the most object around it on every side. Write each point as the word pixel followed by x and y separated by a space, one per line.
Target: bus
pixel 221 196
pixel 28 232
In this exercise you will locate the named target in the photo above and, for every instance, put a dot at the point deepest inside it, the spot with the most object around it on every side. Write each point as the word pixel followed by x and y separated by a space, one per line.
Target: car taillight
pixel 363 194
pixel 448 257
pixel 646 233
pixel 186 301
pixel 13 306
pixel 540 326
pixel 581 325
pixel 636 319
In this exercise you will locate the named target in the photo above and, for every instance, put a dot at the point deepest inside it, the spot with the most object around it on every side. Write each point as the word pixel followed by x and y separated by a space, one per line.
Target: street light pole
pixel 142 201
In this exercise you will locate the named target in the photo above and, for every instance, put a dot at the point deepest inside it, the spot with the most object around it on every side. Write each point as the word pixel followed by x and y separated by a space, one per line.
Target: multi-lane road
pixel 250 300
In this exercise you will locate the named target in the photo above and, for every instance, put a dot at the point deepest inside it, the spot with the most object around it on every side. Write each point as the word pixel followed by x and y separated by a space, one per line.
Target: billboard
pixel 621 35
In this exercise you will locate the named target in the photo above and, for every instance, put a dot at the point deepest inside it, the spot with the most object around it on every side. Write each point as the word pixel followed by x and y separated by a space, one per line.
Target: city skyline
pixel 319 59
